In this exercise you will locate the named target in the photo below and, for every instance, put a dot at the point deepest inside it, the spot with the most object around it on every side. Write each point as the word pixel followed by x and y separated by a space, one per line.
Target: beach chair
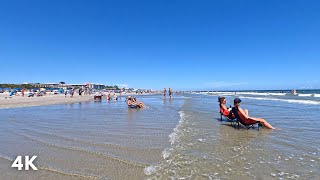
pixel 229 118
pixel 248 123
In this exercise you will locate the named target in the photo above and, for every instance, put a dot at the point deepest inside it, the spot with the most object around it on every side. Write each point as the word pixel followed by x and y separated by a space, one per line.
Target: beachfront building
pixel 68 86
pixel 44 85
pixel 95 86
pixel 76 86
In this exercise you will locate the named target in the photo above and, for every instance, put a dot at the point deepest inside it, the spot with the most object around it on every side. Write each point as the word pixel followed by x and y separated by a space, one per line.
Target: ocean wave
pixel 305 95
pixel 262 94
pixel 284 100
pixel 174 135
pixel 248 93
pixel 316 95
pixel 173 139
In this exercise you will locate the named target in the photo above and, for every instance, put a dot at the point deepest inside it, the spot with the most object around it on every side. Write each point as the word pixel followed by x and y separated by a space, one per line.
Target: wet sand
pixel 50 99
pixel 7 172
pixel 92 140
pixel 19 101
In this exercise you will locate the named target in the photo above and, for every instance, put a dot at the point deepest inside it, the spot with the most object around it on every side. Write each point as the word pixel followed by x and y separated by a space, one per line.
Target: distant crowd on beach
pixel 133 103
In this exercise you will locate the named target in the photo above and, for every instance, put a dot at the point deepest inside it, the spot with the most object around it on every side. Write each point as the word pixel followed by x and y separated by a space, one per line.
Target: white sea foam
pixel 254 93
pixel 247 93
pixel 316 95
pixel 173 138
pixel 285 100
pixel 305 95
pixel 174 135
pixel 166 154
pixel 277 94
pixel 261 94
pixel 6 157
pixel 150 170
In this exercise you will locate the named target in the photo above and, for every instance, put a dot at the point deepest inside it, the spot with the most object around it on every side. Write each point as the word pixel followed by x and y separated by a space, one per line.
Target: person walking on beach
pixel 164 93
pixel 65 93
pixel 22 92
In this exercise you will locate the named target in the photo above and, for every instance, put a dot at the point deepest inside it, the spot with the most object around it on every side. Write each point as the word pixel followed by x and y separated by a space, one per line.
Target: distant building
pixel 95 86
pixel 65 86
pixel 44 85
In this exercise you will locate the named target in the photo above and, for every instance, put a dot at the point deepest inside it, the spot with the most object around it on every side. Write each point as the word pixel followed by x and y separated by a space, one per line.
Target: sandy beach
pixel 19 101
pixel 170 139
pixel 49 99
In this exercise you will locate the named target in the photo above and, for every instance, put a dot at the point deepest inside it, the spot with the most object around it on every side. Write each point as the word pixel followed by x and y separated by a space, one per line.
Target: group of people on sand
pixel 71 92
pixel 133 103
pixel 242 113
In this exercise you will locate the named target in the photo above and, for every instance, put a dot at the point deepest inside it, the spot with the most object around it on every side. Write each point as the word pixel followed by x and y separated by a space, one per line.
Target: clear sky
pixel 207 44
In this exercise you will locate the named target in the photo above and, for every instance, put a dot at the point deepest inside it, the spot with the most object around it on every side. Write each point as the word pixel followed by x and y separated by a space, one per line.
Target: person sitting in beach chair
pixel 224 111
pixel 133 103
pixel 244 118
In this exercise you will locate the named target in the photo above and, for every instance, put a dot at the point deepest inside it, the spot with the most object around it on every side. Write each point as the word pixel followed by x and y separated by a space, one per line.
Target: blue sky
pixel 212 44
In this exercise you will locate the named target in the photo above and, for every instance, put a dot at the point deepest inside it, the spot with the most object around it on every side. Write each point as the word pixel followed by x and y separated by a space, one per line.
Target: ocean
pixel 182 138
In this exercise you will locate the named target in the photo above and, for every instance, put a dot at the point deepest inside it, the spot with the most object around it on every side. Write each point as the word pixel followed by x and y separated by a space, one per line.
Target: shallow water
pixel 181 139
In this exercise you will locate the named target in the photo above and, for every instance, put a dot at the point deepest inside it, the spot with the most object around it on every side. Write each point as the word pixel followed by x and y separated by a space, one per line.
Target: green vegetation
pixel 25 86
pixel 113 87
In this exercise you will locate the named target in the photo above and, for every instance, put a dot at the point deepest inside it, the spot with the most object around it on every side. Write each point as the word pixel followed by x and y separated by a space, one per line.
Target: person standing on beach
pixel 164 93
pixel 22 92
pixel 72 93
pixel 65 93
pixel 170 93
pixel 80 92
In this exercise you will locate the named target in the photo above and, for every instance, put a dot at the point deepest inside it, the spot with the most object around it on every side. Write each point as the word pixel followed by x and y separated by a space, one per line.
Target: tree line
pixel 25 86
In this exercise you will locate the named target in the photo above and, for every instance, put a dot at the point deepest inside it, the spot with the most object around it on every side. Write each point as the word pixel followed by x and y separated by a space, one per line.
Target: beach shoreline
pixel 7 102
